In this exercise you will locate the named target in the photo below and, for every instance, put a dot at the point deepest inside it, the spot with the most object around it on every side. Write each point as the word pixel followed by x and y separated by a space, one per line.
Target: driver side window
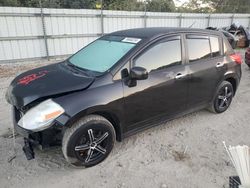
pixel 161 56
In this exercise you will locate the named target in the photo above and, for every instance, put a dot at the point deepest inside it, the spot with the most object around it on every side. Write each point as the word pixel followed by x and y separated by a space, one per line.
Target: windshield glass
pixel 103 53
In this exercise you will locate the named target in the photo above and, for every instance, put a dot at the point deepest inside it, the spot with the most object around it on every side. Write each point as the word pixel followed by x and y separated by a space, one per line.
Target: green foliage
pixel 230 6
pixel 160 6
pixel 195 6
pixel 86 4
pixel 130 5
pixel 216 6
pixel 11 3
pixel 198 6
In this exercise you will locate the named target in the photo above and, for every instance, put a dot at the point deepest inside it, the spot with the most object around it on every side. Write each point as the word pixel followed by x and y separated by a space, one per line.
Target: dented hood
pixel 44 82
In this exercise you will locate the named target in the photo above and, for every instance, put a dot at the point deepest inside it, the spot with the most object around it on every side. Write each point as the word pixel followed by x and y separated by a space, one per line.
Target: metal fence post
pixel 44 30
pixel 145 15
pixel 180 20
pixel 232 19
pixel 249 22
pixel 102 25
pixel 208 21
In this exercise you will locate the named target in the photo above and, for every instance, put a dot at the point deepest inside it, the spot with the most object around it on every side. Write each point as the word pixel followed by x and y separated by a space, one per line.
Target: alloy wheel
pixel 224 98
pixel 94 146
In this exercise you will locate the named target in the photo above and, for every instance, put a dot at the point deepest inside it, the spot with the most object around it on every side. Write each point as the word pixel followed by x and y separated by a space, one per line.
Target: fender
pixel 109 104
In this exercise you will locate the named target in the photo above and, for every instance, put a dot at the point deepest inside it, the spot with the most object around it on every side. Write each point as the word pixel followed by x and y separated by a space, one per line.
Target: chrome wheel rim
pixel 94 146
pixel 224 98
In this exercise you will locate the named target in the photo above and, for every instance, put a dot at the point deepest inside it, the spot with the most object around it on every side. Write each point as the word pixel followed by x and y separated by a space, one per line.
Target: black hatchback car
pixel 119 84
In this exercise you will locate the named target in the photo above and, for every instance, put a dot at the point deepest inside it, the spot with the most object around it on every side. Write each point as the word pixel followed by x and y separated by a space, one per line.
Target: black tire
pixel 88 141
pixel 223 98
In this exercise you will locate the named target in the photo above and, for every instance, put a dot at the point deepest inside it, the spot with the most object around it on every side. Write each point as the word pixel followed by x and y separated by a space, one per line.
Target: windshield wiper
pixel 79 69
pixel 83 70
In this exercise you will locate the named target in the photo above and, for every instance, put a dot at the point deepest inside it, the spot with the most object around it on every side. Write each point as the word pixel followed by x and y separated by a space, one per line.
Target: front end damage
pixel 42 139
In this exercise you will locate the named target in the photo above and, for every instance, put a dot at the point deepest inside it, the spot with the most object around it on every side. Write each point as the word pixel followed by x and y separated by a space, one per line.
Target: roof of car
pixel 155 31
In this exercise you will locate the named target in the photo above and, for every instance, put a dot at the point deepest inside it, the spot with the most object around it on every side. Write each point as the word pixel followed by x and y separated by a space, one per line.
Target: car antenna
pixel 192 24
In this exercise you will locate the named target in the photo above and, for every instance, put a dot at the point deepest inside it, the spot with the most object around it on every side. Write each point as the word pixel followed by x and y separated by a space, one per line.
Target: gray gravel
pixel 153 158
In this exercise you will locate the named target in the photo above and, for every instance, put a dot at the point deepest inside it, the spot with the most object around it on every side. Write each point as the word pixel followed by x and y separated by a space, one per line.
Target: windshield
pixel 103 53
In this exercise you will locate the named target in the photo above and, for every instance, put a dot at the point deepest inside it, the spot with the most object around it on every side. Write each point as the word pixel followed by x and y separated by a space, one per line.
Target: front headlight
pixel 41 116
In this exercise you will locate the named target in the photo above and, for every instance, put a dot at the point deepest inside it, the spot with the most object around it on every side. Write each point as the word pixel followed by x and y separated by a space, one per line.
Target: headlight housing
pixel 41 116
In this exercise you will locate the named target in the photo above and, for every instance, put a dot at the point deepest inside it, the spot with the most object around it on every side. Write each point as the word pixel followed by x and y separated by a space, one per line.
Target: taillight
pixel 236 58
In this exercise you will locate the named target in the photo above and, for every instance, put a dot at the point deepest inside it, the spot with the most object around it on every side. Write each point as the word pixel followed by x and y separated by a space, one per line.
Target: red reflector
pixel 237 58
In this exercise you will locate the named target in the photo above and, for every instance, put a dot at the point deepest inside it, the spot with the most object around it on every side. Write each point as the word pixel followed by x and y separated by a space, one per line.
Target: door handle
pixel 219 64
pixel 180 76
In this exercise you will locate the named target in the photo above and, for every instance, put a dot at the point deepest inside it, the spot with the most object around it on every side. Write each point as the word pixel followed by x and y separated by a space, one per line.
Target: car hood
pixel 44 82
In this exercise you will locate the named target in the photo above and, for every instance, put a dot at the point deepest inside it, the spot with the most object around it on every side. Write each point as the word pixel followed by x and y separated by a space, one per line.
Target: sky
pixel 179 2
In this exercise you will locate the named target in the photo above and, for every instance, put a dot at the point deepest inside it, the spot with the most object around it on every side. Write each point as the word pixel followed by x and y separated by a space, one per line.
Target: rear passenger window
pixel 215 48
pixel 198 47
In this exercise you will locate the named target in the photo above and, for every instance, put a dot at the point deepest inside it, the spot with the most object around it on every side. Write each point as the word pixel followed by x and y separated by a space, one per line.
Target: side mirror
pixel 138 73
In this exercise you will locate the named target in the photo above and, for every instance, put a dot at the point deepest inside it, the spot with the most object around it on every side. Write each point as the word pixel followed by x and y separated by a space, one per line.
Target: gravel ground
pixel 153 158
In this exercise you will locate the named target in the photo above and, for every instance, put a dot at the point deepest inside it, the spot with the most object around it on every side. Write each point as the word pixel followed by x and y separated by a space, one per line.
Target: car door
pixel 164 92
pixel 206 67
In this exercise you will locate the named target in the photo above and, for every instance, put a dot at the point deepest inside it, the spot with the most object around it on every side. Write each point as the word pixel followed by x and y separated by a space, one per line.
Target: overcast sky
pixel 179 2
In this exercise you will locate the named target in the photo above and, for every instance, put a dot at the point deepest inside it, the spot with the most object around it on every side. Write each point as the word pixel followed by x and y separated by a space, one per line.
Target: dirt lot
pixel 153 158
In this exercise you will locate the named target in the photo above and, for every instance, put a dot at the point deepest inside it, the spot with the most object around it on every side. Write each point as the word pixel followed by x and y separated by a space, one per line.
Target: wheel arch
pixel 110 116
pixel 230 77
pixel 233 80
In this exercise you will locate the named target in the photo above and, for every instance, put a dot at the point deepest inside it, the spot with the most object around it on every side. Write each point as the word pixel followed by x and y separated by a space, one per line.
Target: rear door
pixel 206 67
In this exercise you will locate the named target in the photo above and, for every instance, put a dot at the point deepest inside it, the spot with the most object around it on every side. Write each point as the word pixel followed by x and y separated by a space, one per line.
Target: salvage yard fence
pixel 35 33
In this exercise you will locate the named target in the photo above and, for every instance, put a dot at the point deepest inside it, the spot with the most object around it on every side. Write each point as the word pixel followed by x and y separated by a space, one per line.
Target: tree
pixel 160 6
pixel 216 6
pixel 10 3
pixel 199 6
pixel 129 5
pixel 195 6
pixel 229 6
pixel 86 4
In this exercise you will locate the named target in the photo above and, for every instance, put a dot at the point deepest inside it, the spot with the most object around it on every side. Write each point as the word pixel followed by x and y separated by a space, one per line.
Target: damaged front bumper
pixel 28 149
pixel 42 139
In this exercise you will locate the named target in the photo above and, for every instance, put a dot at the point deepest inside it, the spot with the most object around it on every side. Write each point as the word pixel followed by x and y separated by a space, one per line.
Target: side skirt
pixel 158 121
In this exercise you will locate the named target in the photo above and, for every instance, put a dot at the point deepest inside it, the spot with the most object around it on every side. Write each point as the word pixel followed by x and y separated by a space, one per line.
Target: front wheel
pixel 223 98
pixel 88 141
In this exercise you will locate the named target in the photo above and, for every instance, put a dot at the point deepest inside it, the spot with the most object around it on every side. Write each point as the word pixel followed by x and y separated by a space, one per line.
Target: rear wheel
pixel 89 141
pixel 223 98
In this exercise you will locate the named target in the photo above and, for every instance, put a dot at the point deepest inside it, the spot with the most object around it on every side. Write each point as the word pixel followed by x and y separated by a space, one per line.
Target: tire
pixel 88 141
pixel 223 98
